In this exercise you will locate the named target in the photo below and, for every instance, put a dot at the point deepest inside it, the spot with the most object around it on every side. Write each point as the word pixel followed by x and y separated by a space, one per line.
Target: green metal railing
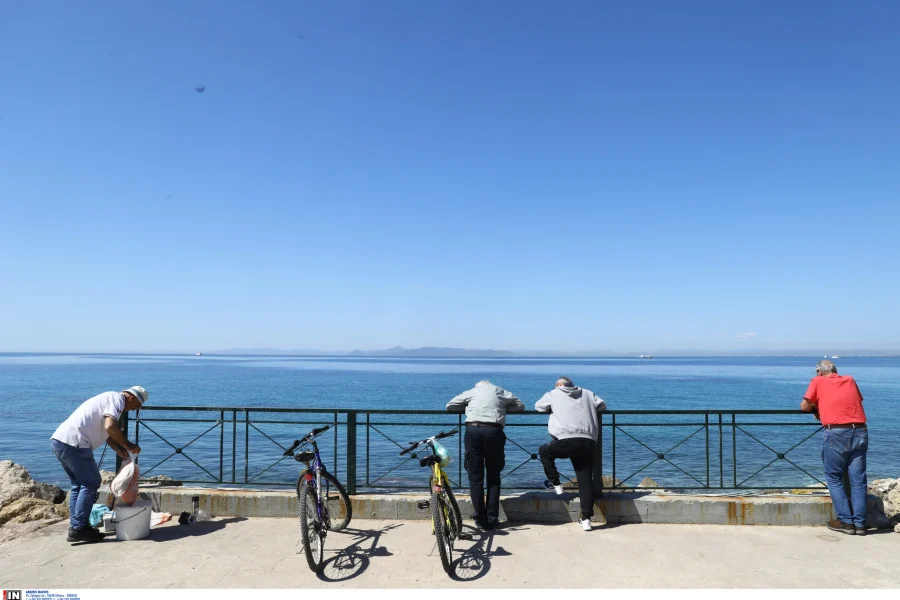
pixel 683 449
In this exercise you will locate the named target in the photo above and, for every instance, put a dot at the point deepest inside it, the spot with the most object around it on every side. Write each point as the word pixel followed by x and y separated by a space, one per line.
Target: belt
pixel 847 426
pixel 480 424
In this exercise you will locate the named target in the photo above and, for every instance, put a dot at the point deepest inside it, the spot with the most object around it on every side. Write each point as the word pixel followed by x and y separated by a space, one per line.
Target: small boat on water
pixel 199 354
pixel 835 356
pixel 645 356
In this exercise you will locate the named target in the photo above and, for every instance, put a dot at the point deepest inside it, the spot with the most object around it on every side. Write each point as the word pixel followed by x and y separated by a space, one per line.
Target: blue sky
pixel 485 175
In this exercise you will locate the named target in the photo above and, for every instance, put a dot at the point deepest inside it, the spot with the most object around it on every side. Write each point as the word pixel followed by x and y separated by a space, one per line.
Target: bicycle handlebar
pixel 441 435
pixel 308 437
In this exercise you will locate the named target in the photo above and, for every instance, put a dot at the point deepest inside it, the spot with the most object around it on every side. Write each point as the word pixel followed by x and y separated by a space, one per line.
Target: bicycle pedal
pixel 466 537
pixel 424 504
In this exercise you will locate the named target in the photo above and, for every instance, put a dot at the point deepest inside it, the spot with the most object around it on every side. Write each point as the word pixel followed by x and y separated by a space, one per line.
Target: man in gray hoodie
pixel 486 406
pixel 573 427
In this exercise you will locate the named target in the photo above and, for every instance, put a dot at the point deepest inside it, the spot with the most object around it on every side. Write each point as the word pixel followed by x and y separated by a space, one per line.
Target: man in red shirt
pixel 837 403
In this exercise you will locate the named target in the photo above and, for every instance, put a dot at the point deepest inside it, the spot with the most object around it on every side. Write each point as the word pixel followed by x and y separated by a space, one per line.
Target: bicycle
pixel 446 520
pixel 316 489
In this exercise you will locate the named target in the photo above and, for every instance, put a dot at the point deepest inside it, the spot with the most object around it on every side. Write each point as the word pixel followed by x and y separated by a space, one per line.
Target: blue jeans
pixel 845 450
pixel 85 477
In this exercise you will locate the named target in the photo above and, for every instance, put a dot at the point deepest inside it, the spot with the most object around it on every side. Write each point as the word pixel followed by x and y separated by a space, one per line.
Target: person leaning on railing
pixel 486 406
pixel 93 424
pixel 573 426
pixel 837 402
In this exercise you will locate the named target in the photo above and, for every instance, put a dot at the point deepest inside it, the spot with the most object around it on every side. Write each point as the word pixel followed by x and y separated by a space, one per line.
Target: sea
pixel 222 447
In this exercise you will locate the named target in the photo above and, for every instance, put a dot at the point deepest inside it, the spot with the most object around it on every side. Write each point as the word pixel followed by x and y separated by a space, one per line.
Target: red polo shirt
pixel 838 399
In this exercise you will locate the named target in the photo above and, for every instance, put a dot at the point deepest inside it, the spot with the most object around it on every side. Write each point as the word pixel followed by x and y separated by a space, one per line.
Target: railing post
pixel 614 450
pixel 221 446
pixel 598 457
pixel 123 424
pixel 233 446
pixel 351 452
pixel 721 456
pixel 707 449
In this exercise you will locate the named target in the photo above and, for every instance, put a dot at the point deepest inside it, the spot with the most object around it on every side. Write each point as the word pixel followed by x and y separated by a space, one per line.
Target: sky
pixel 519 175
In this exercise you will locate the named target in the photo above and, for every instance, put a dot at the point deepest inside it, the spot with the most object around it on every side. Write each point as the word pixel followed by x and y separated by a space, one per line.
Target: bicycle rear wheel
pixel 311 527
pixel 439 518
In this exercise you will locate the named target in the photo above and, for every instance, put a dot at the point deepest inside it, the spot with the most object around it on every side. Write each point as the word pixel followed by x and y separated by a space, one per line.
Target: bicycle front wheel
pixel 439 518
pixel 455 516
pixel 340 511
pixel 311 527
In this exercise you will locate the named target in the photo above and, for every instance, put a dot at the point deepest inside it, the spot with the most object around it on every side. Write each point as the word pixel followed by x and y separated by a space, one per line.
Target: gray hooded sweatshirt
pixel 573 412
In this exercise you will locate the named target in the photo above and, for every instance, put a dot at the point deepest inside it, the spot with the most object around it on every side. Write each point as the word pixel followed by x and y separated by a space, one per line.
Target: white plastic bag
pixel 125 485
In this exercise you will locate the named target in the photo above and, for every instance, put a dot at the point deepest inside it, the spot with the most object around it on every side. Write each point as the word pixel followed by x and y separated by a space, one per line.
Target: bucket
pixel 133 522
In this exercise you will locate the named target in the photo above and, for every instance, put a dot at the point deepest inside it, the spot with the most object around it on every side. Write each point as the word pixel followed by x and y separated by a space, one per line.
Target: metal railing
pixel 680 449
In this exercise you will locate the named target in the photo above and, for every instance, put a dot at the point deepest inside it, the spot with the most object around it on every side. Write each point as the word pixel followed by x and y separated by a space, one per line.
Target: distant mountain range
pixel 442 352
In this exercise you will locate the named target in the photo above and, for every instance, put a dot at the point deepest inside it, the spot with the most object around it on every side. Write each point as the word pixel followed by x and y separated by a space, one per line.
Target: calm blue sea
pixel 37 392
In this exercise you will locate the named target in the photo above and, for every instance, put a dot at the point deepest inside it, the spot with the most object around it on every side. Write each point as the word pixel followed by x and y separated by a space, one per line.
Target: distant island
pixel 431 351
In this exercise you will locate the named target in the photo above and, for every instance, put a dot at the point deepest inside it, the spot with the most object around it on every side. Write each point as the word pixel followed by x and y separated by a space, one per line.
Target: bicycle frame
pixel 317 466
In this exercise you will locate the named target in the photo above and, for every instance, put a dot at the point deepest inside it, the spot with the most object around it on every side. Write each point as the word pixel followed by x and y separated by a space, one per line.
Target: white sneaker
pixel 585 524
pixel 556 488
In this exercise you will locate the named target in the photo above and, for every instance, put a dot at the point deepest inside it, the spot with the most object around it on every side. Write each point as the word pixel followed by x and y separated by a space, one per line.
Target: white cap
pixel 139 393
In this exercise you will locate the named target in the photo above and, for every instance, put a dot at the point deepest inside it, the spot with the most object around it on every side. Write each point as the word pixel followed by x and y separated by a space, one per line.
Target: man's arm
pixel 545 404
pixel 599 403
pixel 118 448
pixel 807 406
pixel 513 404
pixel 115 434
pixel 458 404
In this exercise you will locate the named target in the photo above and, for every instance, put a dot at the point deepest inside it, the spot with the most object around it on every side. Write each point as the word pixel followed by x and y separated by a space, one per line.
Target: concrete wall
pixel 616 507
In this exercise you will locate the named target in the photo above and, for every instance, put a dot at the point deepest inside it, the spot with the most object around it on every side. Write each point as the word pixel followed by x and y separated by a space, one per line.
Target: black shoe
pixel 841 527
pixel 860 531
pixel 85 534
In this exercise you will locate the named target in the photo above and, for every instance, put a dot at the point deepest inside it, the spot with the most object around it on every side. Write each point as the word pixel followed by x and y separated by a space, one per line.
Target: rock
pixel 886 493
pixel 897 528
pixel 16 483
pixel 648 482
pixel 813 489
pixel 608 481
pixel 106 478
pixel 25 510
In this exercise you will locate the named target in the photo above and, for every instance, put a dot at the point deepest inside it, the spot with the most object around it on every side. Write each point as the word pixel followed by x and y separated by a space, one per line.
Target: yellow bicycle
pixel 446 520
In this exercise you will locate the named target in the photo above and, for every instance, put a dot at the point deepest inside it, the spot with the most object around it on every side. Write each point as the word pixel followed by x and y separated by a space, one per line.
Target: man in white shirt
pixel 93 424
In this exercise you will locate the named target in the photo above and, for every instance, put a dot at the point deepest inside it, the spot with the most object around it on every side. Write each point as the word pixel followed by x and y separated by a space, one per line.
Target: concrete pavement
pixel 265 553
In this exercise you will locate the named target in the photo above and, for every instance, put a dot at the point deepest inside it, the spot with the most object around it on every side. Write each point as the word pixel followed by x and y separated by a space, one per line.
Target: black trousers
pixel 484 451
pixel 581 452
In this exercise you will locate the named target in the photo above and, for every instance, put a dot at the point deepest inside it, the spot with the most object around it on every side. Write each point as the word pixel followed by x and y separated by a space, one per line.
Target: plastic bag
pixel 159 518
pixel 125 485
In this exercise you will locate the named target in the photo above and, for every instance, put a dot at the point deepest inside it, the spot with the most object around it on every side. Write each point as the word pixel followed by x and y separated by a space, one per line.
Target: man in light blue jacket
pixel 486 406
pixel 573 425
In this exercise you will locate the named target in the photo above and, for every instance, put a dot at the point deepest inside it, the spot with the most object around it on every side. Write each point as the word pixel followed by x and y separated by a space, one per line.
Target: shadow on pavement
pixel 352 561
pixel 475 561
pixel 174 531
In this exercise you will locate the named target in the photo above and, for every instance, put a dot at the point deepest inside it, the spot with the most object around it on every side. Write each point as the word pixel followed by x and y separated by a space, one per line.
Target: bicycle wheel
pixel 439 512
pixel 455 516
pixel 311 527
pixel 340 510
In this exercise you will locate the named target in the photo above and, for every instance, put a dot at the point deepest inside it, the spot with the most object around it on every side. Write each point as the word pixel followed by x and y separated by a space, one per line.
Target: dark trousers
pixel 484 451
pixel 581 451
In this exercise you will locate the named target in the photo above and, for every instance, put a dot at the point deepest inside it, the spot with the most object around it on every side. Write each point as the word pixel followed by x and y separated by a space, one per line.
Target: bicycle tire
pixel 442 536
pixel 310 527
pixel 455 515
pixel 337 493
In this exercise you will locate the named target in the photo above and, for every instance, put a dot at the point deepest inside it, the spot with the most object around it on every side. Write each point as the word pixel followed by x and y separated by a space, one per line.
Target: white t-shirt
pixel 85 428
